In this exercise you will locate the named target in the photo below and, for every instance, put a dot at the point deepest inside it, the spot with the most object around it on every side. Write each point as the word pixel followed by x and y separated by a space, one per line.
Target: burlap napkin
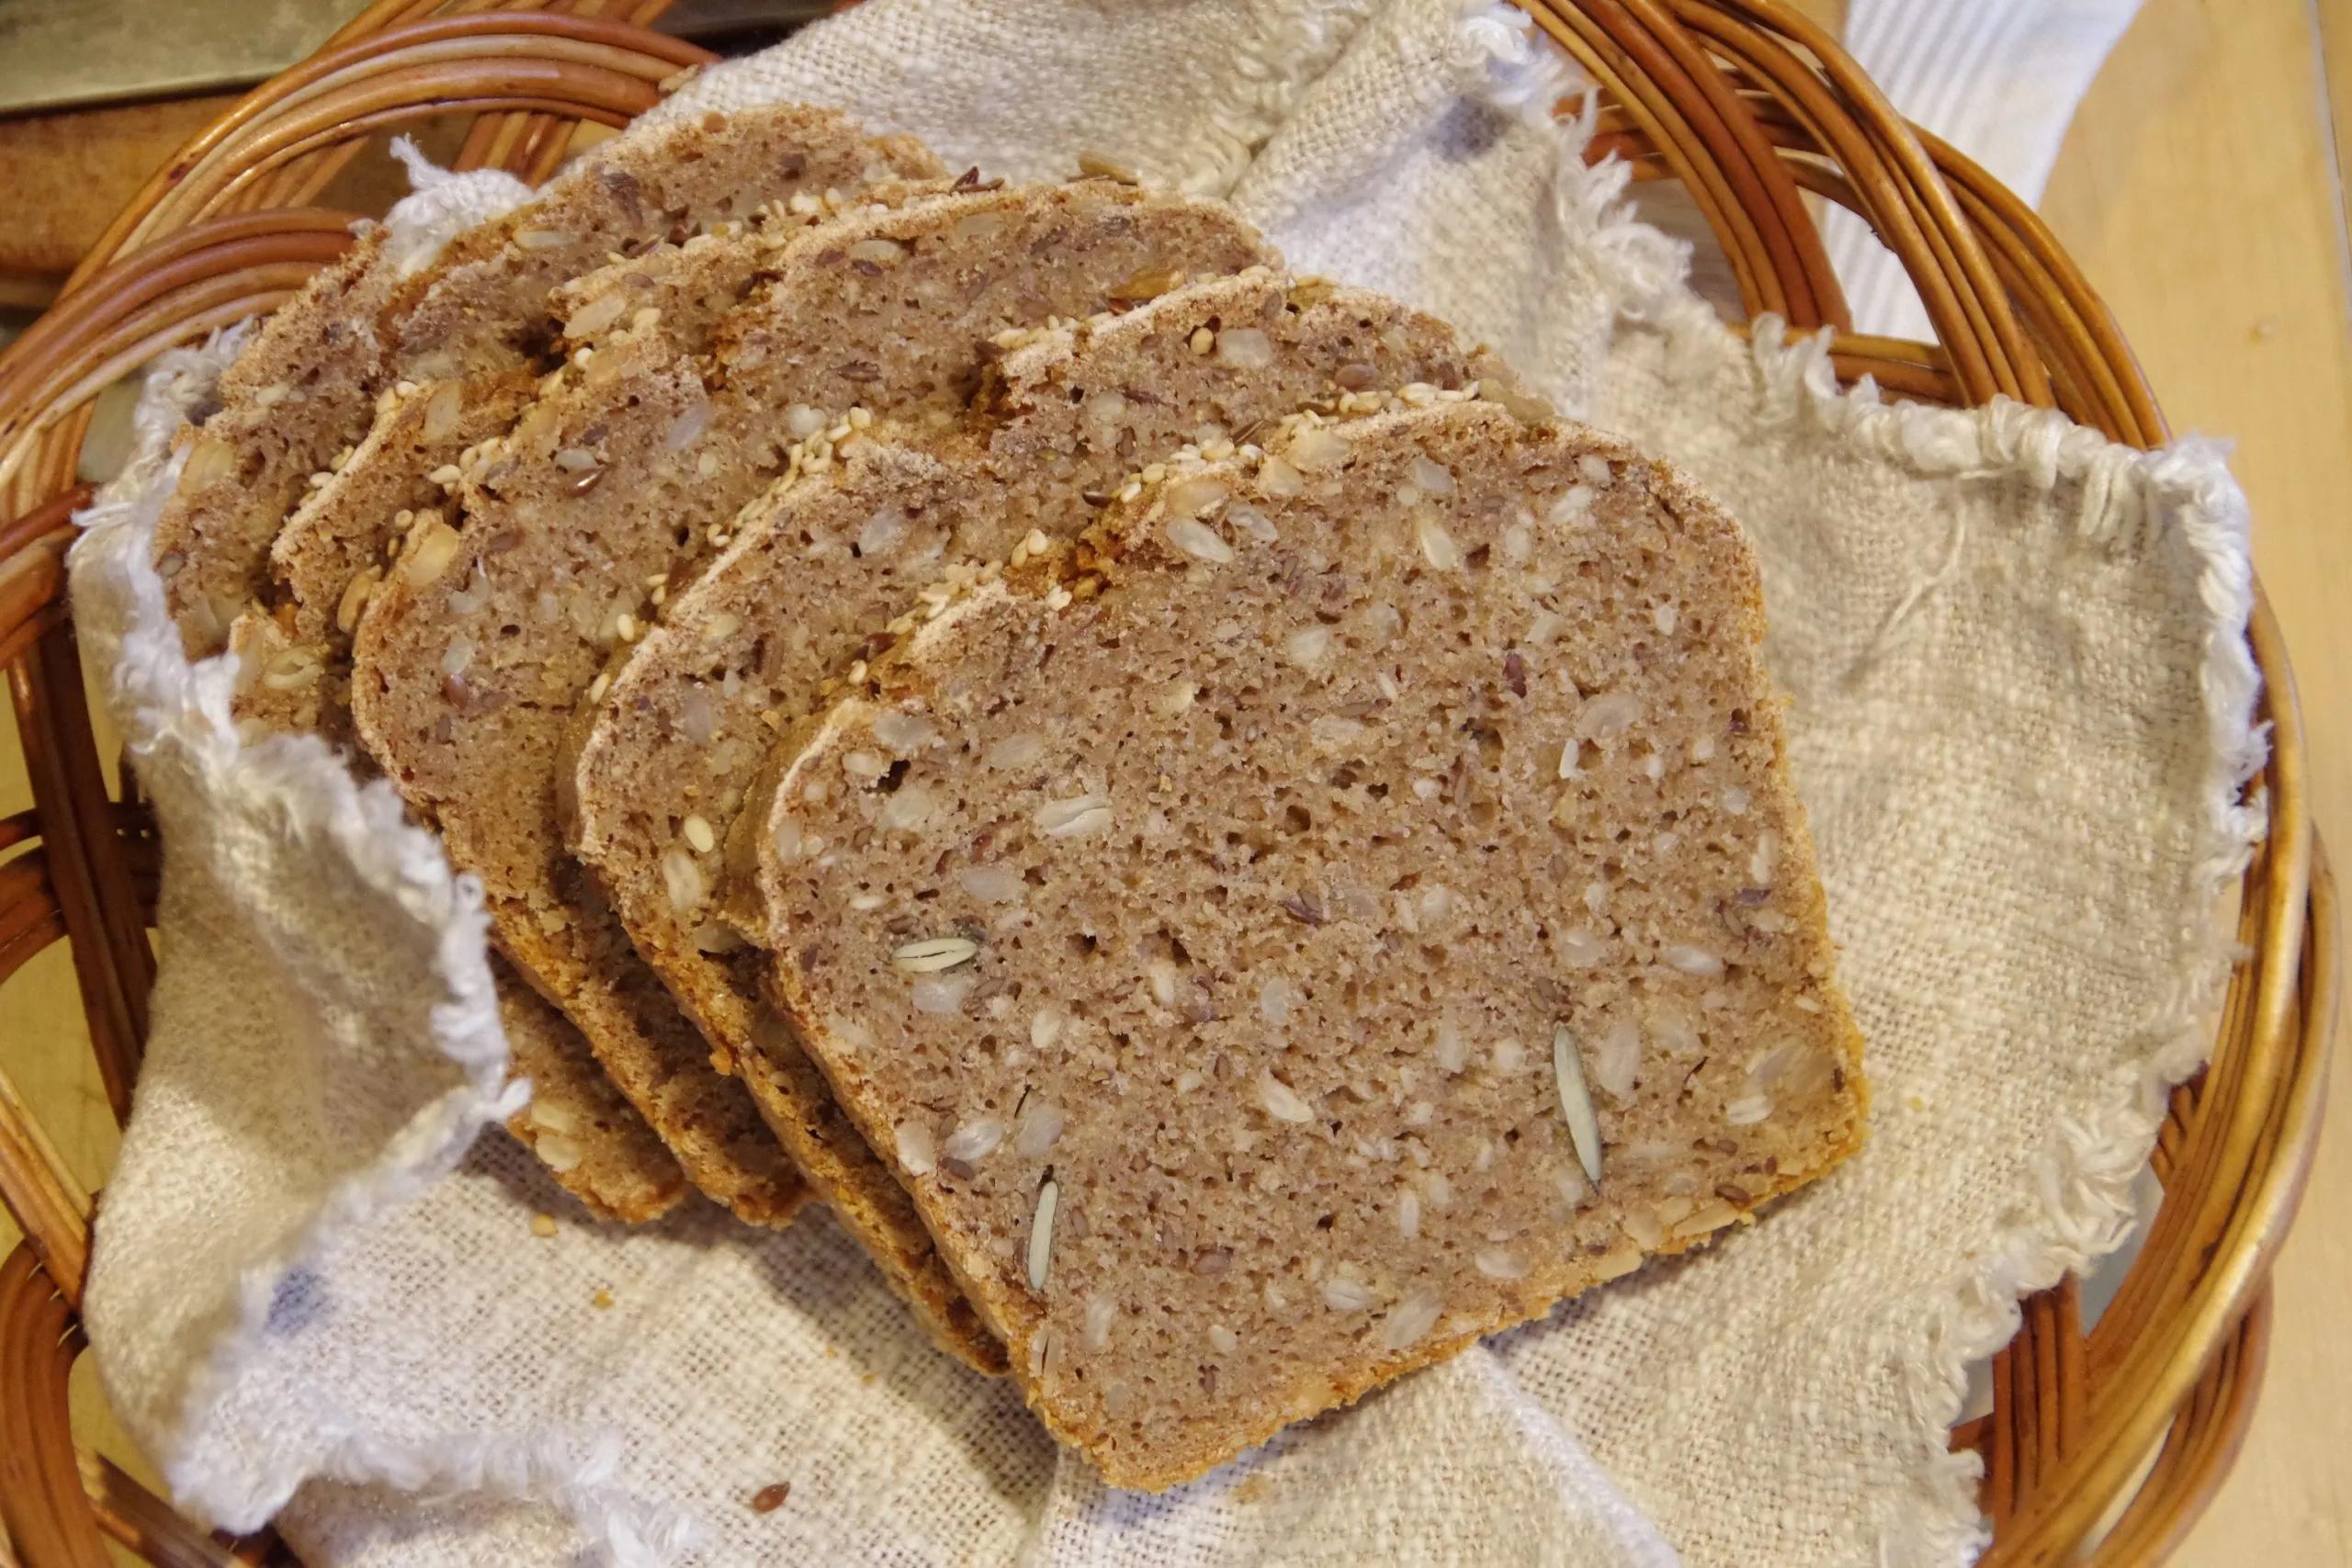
pixel 2022 719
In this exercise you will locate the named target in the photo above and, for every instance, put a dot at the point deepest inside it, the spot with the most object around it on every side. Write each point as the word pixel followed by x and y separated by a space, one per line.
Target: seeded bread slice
pixel 1349 902
pixel 740 653
pixel 634 192
pixel 606 498
pixel 294 669
pixel 305 388
pixel 599 1148
pixel 695 284
pixel 295 653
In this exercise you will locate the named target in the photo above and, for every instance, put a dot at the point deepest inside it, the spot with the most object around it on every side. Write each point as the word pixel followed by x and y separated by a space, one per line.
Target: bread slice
pixel 599 1149
pixel 294 664
pixel 694 286
pixel 294 671
pixel 305 388
pixel 607 496
pixel 1349 902
pixel 740 653
pixel 295 658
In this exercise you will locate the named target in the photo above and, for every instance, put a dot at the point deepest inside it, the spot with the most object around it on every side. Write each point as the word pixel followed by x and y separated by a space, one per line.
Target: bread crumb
pixel 768 1499
pixel 543 1225
pixel 602 1298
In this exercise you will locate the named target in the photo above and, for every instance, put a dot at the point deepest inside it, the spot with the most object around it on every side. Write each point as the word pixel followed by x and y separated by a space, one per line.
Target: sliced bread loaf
pixel 740 654
pixel 613 491
pixel 691 286
pixel 1347 903
pixel 294 651
pixel 481 304
pixel 305 388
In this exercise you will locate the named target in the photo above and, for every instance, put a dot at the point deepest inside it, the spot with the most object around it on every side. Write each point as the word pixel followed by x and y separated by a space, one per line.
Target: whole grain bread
pixel 599 1149
pixel 613 491
pixel 294 666
pixel 740 653
pixel 305 388
pixel 1347 903
pixel 692 286
pixel 294 672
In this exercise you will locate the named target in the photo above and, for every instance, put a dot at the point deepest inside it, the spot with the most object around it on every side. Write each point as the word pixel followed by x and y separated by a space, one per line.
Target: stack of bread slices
pixel 1234 850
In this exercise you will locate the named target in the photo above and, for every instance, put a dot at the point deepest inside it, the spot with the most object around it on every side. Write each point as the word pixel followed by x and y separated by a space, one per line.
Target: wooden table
pixel 2200 189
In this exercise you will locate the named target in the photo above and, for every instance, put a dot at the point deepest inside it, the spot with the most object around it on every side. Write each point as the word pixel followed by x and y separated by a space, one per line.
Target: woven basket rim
pixel 1754 110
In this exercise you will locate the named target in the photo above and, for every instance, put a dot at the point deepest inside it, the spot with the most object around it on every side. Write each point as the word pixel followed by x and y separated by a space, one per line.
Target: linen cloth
pixel 2023 717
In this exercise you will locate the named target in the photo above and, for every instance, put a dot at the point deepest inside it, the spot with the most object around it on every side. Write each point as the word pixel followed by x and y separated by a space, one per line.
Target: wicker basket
pixel 2102 1445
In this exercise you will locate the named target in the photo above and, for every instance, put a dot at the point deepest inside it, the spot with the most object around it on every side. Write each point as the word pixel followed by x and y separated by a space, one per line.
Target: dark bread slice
pixel 295 652
pixel 294 669
pixel 693 286
pixel 482 303
pixel 740 653
pixel 1347 903
pixel 607 496
pixel 599 1149
pixel 305 388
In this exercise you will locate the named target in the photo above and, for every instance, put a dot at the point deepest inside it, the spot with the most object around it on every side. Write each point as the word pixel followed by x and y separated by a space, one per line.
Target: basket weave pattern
pixel 2107 1442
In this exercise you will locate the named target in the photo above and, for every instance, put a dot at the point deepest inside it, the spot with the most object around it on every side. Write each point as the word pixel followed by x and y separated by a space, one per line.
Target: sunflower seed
pixel 935 954
pixel 1576 1102
pixel 1041 1233
pixel 1282 1101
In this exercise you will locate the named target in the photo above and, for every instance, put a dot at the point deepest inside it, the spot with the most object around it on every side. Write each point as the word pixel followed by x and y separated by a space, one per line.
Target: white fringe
pixel 2083 1183
pixel 169 707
